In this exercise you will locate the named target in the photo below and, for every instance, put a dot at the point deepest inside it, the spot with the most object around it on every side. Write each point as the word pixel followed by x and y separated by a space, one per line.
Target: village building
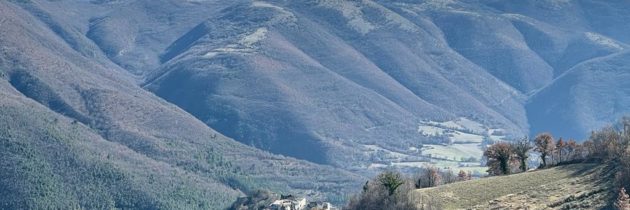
pixel 290 202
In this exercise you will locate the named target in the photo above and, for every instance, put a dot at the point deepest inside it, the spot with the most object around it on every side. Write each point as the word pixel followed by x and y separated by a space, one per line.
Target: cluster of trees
pixel 259 199
pixel 433 176
pixel 608 146
pixel 506 158
pixel 391 190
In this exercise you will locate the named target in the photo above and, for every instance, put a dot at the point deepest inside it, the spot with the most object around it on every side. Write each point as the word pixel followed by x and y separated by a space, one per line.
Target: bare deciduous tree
pixel 623 201
pixel 448 176
pixel 572 147
pixel 430 177
pixel 544 145
pixel 462 175
pixel 391 181
pixel 521 150
pixel 499 156
pixel 560 147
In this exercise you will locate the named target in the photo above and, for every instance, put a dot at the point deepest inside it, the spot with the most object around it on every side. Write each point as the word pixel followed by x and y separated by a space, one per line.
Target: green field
pixel 454 152
pixel 455 166
pixel 576 186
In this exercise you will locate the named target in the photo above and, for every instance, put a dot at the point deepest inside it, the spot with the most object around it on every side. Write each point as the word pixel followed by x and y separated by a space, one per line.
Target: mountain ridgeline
pixel 189 104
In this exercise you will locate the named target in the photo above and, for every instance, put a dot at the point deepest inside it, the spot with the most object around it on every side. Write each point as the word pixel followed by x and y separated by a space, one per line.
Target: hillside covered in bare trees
pixel 196 104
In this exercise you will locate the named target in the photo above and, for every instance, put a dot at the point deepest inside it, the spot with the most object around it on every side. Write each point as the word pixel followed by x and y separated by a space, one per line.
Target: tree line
pixel 511 157
pixel 608 146
pixel 391 190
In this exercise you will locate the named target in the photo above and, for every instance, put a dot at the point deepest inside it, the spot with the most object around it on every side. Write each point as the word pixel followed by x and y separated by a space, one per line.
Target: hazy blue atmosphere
pixel 191 104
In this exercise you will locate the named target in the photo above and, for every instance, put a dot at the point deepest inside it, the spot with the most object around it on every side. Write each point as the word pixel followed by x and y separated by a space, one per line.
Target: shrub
pixel 463 176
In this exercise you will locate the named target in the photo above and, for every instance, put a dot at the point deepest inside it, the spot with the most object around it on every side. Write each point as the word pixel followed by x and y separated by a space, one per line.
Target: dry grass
pixel 575 186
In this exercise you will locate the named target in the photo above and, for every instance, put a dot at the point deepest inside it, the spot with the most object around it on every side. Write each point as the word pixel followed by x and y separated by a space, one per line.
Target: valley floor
pixel 577 186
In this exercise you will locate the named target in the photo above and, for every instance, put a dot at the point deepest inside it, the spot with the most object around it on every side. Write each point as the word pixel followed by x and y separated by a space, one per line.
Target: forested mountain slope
pixel 337 75
pixel 77 131
pixel 338 85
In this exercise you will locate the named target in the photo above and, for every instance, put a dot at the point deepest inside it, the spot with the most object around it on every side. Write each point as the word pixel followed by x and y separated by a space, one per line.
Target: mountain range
pixel 192 103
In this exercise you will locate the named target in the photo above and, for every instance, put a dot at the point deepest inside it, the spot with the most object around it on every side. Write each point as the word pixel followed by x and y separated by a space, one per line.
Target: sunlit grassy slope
pixel 578 186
